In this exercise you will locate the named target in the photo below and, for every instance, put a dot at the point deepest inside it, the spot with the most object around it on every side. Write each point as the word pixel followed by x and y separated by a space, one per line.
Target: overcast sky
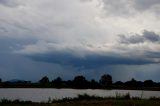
pixel 80 37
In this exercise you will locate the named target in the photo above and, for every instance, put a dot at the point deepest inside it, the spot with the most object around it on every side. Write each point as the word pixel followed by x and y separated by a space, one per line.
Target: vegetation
pixel 105 81
pixel 80 82
pixel 86 100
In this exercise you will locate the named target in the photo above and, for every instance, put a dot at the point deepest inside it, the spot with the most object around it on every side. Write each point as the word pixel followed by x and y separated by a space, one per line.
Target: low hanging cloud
pixel 90 61
pixel 147 36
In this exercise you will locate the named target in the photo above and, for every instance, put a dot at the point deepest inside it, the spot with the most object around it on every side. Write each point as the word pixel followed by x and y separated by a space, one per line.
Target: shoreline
pixel 147 89
pixel 86 100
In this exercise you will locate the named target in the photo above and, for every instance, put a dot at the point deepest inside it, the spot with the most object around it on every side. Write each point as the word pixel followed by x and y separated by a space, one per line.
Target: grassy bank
pixel 96 103
pixel 86 100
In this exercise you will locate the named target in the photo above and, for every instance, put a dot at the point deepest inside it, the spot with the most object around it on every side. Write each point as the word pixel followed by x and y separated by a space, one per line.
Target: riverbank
pixel 97 103
pixel 86 100
pixel 113 88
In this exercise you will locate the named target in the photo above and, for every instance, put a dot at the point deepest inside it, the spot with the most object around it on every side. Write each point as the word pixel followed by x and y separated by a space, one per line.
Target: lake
pixel 42 95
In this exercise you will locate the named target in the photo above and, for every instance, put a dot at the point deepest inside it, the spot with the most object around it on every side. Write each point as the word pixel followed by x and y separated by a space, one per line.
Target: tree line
pixel 80 82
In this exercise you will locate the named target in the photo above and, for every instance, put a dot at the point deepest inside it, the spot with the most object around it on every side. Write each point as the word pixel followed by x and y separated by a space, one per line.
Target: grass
pixel 154 98
pixel 17 101
pixel 111 103
pixel 87 100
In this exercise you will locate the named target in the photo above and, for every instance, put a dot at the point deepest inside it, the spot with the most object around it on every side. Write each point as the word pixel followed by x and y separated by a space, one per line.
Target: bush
pixel 119 96
pixel 154 98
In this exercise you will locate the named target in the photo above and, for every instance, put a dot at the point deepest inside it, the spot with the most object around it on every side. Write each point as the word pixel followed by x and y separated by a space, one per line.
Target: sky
pixel 67 38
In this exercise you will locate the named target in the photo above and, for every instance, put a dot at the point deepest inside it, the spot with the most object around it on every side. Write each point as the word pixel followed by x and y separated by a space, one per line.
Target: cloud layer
pixel 132 50
pixel 82 36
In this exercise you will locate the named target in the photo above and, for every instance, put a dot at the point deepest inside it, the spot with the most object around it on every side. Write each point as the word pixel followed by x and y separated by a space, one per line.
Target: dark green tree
pixel 94 84
pixel 80 82
pixel 119 83
pixel 148 83
pixel 134 84
pixel 57 82
pixel 106 81
pixel 44 80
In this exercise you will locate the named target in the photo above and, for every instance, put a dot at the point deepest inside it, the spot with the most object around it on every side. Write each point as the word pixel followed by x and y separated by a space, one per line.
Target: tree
pixel 148 83
pixel 0 80
pixel 80 82
pixel 57 82
pixel 44 80
pixel 94 84
pixel 134 83
pixel 105 81
pixel 119 83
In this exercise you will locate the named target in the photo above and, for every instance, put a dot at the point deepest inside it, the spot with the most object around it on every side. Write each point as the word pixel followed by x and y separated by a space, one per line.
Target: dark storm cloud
pixel 89 61
pixel 152 54
pixel 147 36
pixel 9 3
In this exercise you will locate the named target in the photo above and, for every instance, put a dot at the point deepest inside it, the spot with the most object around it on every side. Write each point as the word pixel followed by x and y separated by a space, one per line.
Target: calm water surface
pixel 42 95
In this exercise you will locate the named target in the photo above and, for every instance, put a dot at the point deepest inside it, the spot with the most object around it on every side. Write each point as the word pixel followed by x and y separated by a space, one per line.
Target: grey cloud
pixel 10 3
pixel 83 56
pixel 13 66
pixel 153 54
pixel 7 45
pixel 130 7
pixel 132 39
pixel 85 0
pixel 145 4
pixel 117 7
pixel 147 36
pixel 151 36
pixel 91 60
pixel 19 67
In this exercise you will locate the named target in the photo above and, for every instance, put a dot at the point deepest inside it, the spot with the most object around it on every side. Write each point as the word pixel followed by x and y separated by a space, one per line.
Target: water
pixel 42 95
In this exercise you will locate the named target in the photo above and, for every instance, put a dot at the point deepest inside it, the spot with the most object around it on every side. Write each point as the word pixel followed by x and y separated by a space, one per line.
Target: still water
pixel 42 95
